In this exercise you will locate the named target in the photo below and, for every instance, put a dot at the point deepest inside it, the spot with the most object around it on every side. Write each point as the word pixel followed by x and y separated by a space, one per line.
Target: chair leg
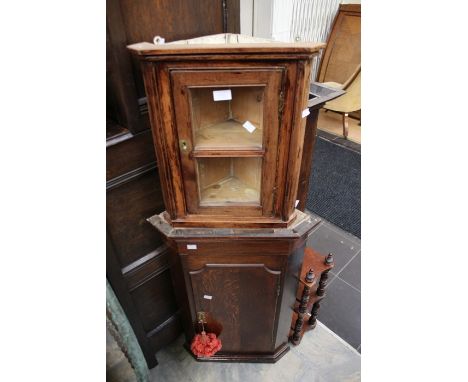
pixel 345 125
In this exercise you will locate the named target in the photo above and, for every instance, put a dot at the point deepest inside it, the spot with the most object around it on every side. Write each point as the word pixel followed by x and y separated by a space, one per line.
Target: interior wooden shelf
pixel 229 189
pixel 228 135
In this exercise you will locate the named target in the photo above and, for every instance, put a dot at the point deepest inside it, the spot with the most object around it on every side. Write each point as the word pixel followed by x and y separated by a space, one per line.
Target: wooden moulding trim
pixel 162 224
pixel 236 357
pixel 131 175
pixel 143 260
pixel 163 325
pixel 148 49
pixel 153 90
pixel 124 136
pixel 230 57
pixel 156 263
pixel 295 149
pixel 223 221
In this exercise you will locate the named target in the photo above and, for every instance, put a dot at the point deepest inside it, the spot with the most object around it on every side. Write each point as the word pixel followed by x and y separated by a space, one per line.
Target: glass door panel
pixel 227 118
pixel 228 130
pixel 223 181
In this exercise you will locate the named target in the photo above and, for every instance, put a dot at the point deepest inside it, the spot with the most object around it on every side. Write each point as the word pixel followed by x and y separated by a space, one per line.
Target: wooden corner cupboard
pixel 228 128
pixel 228 116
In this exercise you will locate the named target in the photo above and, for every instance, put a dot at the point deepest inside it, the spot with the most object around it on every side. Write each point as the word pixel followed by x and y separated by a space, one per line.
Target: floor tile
pixel 340 311
pixel 351 273
pixel 327 238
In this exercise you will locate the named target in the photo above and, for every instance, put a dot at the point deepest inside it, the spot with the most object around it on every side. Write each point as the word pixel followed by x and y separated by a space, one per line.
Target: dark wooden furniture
pixel 313 279
pixel 228 124
pixel 244 281
pixel 137 259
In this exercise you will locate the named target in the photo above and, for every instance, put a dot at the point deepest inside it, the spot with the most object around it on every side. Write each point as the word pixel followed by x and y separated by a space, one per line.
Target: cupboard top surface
pixel 302 224
pixel 225 43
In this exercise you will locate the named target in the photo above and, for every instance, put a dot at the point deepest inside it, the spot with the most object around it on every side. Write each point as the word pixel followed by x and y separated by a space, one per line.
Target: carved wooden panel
pixel 236 296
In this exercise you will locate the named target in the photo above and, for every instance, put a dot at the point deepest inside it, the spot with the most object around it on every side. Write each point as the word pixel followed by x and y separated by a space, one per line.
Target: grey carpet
pixel 335 186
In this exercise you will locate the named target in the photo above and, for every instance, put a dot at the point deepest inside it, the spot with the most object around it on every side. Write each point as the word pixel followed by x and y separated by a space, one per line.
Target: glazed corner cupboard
pixel 228 115
pixel 228 127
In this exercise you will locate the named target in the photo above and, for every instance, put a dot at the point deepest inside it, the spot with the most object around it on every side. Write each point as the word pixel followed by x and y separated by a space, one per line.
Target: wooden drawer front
pixel 236 297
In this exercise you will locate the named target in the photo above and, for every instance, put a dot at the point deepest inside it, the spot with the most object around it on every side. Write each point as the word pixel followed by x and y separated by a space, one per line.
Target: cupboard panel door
pixel 234 296
pixel 228 126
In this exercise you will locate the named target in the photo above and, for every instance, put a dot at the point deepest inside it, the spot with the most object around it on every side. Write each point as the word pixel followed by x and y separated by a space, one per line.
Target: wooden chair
pixel 348 102
pixel 340 66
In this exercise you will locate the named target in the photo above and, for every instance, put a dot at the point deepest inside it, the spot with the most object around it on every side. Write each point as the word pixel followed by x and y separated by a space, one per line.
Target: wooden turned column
pixel 324 277
pixel 321 290
pixel 312 283
pixel 313 314
pixel 302 310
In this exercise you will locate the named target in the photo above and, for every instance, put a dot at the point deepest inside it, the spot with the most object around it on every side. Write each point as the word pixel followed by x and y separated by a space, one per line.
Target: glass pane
pixel 222 181
pixel 233 121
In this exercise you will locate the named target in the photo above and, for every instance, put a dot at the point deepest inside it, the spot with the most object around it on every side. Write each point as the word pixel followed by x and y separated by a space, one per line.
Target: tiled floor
pixel 320 357
pixel 340 311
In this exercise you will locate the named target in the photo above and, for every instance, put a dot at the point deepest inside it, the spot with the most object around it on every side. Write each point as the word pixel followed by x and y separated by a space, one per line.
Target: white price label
pixel 222 95
pixel 191 246
pixel 305 112
pixel 249 127
pixel 297 202
pixel 207 297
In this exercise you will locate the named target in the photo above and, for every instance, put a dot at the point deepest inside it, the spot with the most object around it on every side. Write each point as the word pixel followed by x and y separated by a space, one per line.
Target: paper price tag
pixel 249 127
pixel 207 297
pixel 305 112
pixel 222 95
pixel 297 202
pixel 191 246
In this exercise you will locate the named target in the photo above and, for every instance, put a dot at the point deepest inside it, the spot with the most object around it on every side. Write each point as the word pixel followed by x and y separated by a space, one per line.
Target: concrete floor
pixel 322 356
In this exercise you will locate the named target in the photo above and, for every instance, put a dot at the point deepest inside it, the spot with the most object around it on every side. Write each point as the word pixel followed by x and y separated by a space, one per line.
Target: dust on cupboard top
pixel 228 125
